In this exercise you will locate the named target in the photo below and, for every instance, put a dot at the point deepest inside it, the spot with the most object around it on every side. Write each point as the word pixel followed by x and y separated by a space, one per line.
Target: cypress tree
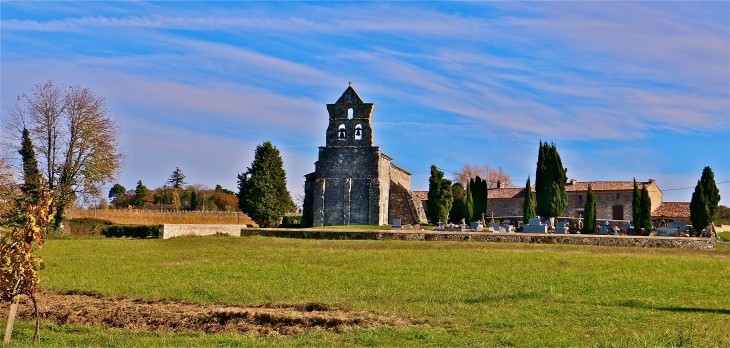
pixel 550 179
pixel 528 207
pixel 262 192
pixel 458 207
pixel 645 211
pixel 440 197
pixel 589 212
pixel 540 178
pixel 699 211
pixel 710 191
pixel 479 197
pixel 469 208
pixel 31 187
pixel 636 206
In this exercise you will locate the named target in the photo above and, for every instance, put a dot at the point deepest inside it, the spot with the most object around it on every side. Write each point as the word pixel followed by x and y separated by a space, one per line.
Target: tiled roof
pixel 422 195
pixel 672 210
pixel 507 192
pixel 582 186
pixel 572 186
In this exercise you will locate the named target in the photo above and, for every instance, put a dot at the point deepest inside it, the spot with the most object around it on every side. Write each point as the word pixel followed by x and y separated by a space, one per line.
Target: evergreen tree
pixel 141 194
pixel 699 210
pixel 32 187
pixel 440 197
pixel 193 201
pixel 645 211
pixel 262 192
pixel 469 205
pixel 116 191
pixel 589 212
pixel 636 206
pixel 528 207
pixel 479 198
pixel 550 179
pixel 458 207
pixel 710 190
pixel 177 178
pixel 540 180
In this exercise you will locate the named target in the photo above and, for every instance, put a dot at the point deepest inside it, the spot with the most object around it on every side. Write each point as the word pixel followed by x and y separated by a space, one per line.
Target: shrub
pixel 133 231
pixel 87 226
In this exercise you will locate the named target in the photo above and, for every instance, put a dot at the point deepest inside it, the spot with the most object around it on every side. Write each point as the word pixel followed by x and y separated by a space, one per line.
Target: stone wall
pixel 597 240
pixel 505 207
pixel 404 205
pixel 177 230
pixel 400 176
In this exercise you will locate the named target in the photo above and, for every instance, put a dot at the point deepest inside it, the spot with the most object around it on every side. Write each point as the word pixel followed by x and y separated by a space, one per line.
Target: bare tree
pixel 492 176
pixel 77 141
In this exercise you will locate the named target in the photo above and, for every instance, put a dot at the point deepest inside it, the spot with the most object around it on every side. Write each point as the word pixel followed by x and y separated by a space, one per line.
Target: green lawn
pixel 484 294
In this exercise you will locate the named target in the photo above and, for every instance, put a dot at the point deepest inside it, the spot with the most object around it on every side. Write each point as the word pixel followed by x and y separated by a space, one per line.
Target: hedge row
pixel 87 226
pixel 133 231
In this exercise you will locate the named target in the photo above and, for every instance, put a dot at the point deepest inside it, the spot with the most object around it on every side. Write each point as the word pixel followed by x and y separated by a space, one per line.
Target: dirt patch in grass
pixel 270 319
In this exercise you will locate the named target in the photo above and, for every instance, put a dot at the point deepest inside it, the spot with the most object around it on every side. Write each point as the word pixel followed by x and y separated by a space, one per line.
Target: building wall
pixel 405 205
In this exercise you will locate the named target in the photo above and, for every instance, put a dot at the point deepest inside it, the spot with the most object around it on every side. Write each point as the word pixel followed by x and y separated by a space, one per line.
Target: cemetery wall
pixel 597 240
pixel 505 206
pixel 177 230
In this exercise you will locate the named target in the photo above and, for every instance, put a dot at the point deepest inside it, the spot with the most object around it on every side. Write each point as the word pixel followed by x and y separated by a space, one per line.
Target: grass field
pixel 469 294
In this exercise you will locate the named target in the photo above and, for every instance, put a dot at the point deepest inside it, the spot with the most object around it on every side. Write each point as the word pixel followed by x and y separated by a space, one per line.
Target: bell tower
pixel 350 121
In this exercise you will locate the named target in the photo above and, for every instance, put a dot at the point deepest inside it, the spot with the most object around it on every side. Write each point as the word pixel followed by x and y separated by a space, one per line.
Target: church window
pixel 349 113
pixel 341 132
pixel 358 132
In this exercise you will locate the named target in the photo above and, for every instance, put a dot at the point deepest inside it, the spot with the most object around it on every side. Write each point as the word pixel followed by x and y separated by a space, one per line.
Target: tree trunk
pixel 11 321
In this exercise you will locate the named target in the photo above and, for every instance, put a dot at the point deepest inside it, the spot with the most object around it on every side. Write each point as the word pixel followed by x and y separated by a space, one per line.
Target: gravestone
pixel 477 226
pixel 603 230
pixel 677 224
pixel 397 225
pixel 562 228
pixel 535 226
pixel 667 232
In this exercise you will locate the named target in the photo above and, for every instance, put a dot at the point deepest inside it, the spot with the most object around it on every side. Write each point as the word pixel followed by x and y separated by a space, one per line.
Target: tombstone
pixel 562 228
pixel 603 230
pixel 408 227
pixel 506 227
pixel 506 222
pixel 495 227
pixel 397 225
pixel 667 232
pixel 477 226
pixel 677 224
pixel 535 226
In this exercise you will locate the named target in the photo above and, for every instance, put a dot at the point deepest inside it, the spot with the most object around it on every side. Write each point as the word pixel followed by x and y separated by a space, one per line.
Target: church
pixel 354 182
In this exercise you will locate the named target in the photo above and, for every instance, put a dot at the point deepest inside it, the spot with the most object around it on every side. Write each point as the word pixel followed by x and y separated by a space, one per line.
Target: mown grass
pixel 480 294
pixel 725 236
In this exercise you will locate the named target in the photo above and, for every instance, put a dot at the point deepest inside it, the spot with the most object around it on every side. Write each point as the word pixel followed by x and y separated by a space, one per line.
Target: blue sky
pixel 624 89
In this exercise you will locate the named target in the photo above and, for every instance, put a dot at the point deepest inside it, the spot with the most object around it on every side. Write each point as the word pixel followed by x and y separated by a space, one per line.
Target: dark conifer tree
pixel 177 178
pixel 479 198
pixel 439 196
pixel 193 200
pixel 528 207
pixel 141 193
pixel 645 210
pixel 458 207
pixel 469 208
pixel 262 192
pixel 699 211
pixel 32 187
pixel 540 180
pixel 710 191
pixel 589 212
pixel 636 207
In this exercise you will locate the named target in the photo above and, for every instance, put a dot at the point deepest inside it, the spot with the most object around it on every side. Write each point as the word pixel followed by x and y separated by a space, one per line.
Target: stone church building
pixel 354 182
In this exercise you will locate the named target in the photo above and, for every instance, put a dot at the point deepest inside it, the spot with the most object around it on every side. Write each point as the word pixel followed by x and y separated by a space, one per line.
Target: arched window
pixel 341 132
pixel 349 113
pixel 358 132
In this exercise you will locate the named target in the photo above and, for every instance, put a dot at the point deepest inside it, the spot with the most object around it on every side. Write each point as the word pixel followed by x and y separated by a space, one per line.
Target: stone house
pixel 671 211
pixel 613 199
pixel 354 182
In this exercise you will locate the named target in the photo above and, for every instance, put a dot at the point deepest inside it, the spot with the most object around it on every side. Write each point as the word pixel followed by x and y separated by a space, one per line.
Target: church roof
pixel 350 97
